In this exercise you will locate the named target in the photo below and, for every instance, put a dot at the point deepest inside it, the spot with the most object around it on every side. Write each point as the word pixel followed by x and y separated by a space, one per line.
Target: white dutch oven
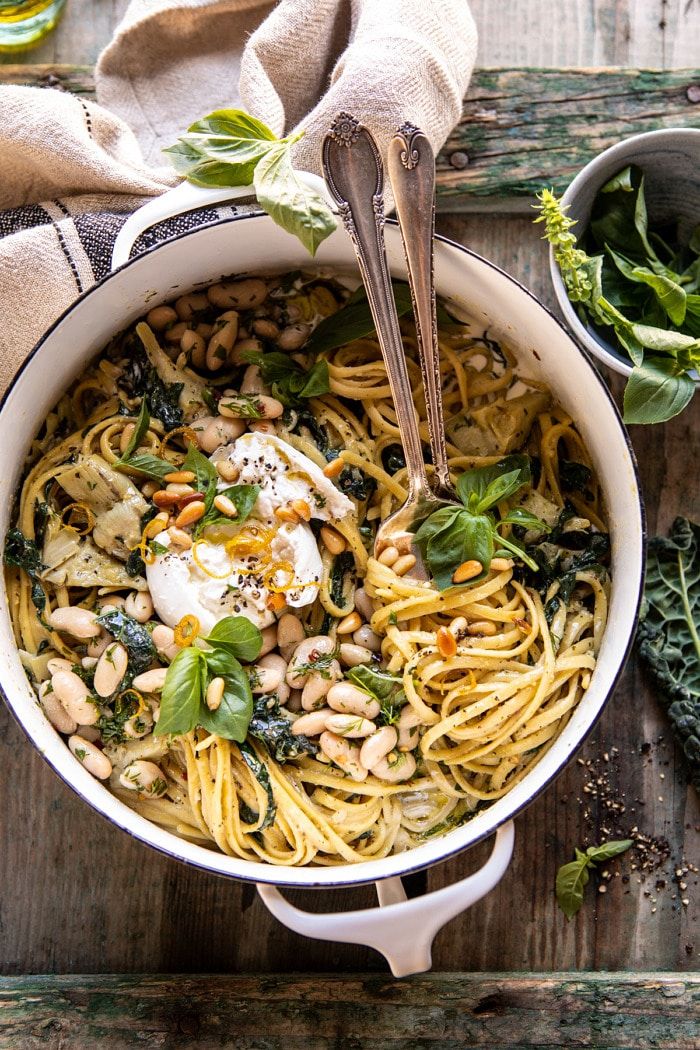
pixel 401 929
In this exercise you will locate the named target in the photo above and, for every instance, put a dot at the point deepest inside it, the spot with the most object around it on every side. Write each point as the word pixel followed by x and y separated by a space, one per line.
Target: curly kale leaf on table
pixel 669 632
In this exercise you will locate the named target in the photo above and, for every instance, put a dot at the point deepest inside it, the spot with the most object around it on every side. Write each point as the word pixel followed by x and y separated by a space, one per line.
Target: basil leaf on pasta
pixel 182 693
pixel 237 636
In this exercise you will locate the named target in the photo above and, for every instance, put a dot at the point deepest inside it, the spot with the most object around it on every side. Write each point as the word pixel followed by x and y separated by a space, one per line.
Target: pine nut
pixel 332 540
pixel 287 514
pixel 458 626
pixel 487 627
pixel 306 653
pixel 302 508
pixel 145 777
pixel 404 564
pixel 467 571
pixel 163 498
pixel 151 681
pixel 227 470
pixel 73 619
pixel 126 437
pixel 180 477
pixel 446 642
pixel 290 631
pixel 363 604
pixel 160 317
pixel 351 726
pixel 194 347
pixel 139 605
pixel 74 695
pixel 315 690
pixel 352 655
pixel 409 733
pixel 348 699
pixel 334 468
pixel 110 670
pixel 395 768
pixel 189 305
pixel 179 490
pixel 312 723
pixel 179 538
pixel 377 746
pixel 215 693
pixel 94 760
pixel 246 294
pixel 388 556
pixel 366 637
pixel 293 337
pixel 344 754
pixel 156 525
pixel 349 623
pixel 225 506
pixel 55 711
pixel 501 564
pixel 190 514
pixel 149 488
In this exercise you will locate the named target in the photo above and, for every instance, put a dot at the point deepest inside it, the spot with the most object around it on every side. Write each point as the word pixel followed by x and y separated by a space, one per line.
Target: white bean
pixel 90 733
pixel 344 754
pixel 353 655
pixel 290 631
pixel 273 663
pixel 74 695
pixel 377 746
pixel 164 640
pixel 294 701
pixel 88 662
pixel 350 725
pixel 252 382
pixel 307 652
pixel 365 636
pixel 313 695
pixel 363 604
pixel 94 760
pixel 312 723
pixel 246 294
pixel 408 724
pixel 395 767
pixel 267 679
pixel 213 431
pixel 293 337
pixel 348 699
pixel 269 639
pixel 57 663
pixel 150 681
pixel 111 668
pixel 139 605
pixel 81 623
pixel 96 646
pixel 145 777
pixel 54 710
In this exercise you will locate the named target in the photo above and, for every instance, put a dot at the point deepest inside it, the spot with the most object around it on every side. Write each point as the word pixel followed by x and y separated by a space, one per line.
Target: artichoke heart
pixel 499 427
pixel 117 504
pixel 191 397
pixel 72 560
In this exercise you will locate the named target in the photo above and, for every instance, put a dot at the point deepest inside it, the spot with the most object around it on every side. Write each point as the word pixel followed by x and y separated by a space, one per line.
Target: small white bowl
pixel 670 160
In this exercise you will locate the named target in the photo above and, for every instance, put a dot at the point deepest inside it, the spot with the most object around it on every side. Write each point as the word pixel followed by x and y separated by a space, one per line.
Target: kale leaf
pixel 261 774
pixel 24 554
pixel 135 638
pixel 140 379
pixel 668 639
pixel 270 726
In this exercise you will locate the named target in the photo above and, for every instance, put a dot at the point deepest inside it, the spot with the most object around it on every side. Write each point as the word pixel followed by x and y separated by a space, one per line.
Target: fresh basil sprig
pixel 183 704
pixel 243 497
pixel 232 148
pixel 143 462
pixel 572 878
pixel 453 535
pixel 290 383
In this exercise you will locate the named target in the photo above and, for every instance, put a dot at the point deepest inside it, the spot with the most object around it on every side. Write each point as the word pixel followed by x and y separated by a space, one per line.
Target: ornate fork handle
pixel 411 165
pixel 355 177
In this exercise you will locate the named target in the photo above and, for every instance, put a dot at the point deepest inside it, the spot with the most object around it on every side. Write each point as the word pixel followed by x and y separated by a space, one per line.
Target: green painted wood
pixel 314 1012
pixel 521 129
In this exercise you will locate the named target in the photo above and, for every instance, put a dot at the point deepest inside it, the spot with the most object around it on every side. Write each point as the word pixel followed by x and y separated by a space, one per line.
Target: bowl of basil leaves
pixel 625 263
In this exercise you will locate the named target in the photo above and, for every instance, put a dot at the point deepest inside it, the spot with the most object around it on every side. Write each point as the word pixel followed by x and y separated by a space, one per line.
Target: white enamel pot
pixel 401 929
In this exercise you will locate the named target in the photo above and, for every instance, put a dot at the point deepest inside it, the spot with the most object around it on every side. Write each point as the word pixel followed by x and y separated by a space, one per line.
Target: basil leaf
pixel 144 463
pixel 572 879
pixel 222 149
pixel 232 716
pixel 483 487
pixel 670 295
pixel 182 694
pixel 289 381
pixel 385 688
pixel 289 201
pixel 237 636
pixel 608 850
pixel 261 774
pixel 243 497
pixel 656 391
pixel 526 520
pixel 206 476
pixel 469 537
pixel 140 430
pixel 353 320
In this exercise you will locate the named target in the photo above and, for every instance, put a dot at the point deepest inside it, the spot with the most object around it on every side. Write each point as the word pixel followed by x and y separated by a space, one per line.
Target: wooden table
pixel 79 898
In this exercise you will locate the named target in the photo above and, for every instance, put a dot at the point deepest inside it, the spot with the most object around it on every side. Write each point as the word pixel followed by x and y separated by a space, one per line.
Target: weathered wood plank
pixel 501 1012
pixel 521 129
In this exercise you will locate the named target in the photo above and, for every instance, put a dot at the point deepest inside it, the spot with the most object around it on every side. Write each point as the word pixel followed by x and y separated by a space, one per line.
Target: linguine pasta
pixel 476 680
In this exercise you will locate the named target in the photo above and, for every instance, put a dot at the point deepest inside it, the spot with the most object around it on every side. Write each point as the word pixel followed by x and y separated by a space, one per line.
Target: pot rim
pixel 357 875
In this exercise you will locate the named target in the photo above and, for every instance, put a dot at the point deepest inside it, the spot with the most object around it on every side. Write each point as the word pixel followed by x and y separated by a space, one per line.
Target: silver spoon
pixel 411 165
pixel 355 176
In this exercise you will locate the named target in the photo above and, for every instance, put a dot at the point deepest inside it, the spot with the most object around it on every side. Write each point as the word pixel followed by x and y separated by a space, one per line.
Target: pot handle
pixel 402 930
pixel 188 197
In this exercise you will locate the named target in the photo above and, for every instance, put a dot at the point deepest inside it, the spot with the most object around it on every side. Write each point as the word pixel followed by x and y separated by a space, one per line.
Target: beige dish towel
pixel 71 169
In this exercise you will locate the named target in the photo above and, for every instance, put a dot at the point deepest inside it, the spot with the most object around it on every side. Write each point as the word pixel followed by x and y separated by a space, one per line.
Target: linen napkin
pixel 71 170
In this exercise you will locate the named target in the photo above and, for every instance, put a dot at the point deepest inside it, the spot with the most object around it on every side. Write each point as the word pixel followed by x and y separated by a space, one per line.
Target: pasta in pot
pixel 209 490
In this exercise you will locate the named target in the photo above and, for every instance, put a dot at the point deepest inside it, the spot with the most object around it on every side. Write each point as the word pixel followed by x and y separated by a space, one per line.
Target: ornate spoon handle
pixel 355 177
pixel 411 165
